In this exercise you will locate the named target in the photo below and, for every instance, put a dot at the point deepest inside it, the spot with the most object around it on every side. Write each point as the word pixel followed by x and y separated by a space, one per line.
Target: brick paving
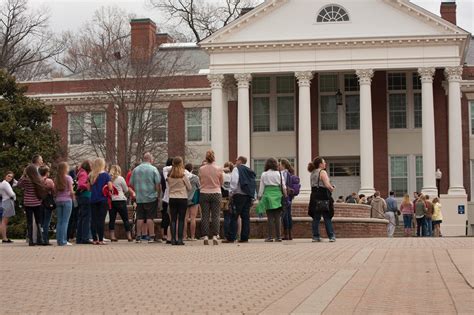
pixel 362 276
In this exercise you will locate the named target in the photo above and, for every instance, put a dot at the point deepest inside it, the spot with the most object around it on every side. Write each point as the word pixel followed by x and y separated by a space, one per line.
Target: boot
pixel 290 238
pixel 286 237
pixel 112 236
pixel 129 236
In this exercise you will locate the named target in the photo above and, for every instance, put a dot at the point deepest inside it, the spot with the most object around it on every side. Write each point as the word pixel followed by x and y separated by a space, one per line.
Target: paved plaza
pixel 363 276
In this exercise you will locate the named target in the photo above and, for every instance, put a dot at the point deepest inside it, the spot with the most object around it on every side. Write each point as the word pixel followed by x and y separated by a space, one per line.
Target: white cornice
pixel 342 43
pixel 89 97
pixel 467 86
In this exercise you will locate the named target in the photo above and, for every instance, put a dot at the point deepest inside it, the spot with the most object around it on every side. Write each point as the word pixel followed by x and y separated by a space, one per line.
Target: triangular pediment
pixel 296 20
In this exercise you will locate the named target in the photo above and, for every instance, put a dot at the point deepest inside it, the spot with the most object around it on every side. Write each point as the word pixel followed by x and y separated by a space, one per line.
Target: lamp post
pixel 438 176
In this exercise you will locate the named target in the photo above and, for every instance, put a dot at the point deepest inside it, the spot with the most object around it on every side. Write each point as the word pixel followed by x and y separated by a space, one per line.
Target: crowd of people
pixel 420 213
pixel 82 198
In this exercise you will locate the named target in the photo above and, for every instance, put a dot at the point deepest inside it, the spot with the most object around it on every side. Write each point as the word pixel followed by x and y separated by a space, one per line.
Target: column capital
pixel 365 76
pixel 216 80
pixel 243 79
pixel 304 77
pixel 426 74
pixel 453 73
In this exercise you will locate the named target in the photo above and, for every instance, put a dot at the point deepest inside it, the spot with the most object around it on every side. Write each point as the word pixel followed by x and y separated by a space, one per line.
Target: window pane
pixel 261 114
pixel 194 124
pixel 328 112
pixel 285 113
pixel 97 127
pixel 344 168
pixel 159 125
pixel 399 174
pixel 417 110
pixel 419 173
pixel 76 125
pixel 397 81
pixel 285 84
pixel 351 83
pixel 416 81
pixel 261 85
pixel 328 83
pixel 352 112
pixel 397 109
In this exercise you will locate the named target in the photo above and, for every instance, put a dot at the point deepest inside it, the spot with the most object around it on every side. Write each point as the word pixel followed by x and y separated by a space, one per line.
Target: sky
pixel 71 14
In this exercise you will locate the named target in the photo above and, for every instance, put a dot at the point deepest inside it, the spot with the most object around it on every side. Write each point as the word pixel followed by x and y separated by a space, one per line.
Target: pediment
pixel 296 20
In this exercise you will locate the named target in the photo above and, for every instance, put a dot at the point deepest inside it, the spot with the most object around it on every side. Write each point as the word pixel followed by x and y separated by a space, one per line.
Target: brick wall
pixel 176 132
pixel 380 134
pixel 59 122
pixel 441 128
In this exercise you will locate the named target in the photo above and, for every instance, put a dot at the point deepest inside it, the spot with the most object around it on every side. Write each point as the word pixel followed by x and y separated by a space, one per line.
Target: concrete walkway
pixel 363 276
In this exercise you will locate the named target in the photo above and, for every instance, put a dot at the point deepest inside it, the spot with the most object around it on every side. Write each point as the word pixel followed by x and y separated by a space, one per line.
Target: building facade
pixel 386 98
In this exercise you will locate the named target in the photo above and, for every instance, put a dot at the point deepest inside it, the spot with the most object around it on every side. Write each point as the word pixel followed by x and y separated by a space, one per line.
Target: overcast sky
pixel 71 14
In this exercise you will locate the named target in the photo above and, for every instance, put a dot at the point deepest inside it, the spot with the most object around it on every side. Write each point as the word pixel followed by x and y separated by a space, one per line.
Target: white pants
pixel 390 216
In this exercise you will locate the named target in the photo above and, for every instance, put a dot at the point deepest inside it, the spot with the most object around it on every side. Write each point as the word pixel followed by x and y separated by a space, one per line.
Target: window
pixel 328 113
pixel 87 128
pixel 351 85
pixel 98 127
pixel 76 128
pixel 273 104
pixel 399 175
pixel 159 125
pixel 198 125
pixel 404 100
pixel 419 172
pixel 332 13
pixel 328 83
pixel 258 165
pixel 344 168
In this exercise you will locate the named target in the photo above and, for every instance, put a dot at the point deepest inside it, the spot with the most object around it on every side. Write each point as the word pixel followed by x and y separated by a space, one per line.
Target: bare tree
pixel 129 79
pixel 26 44
pixel 201 18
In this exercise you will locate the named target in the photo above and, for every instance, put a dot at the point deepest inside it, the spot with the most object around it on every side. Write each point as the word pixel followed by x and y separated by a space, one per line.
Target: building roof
pixel 191 58
pixel 470 53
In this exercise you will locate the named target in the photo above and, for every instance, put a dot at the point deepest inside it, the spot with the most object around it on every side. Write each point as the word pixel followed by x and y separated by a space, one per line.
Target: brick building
pixel 387 98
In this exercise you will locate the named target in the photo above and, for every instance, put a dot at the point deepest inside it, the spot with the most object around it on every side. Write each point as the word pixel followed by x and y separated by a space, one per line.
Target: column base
pixel 454 220
pixel 303 196
pixel 430 191
pixel 367 191
pixel 456 191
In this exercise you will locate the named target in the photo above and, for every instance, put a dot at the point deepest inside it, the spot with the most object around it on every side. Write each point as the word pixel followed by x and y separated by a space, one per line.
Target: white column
pixel 456 185
pixel 366 138
pixel 428 136
pixel 243 115
pixel 218 119
pixel 304 128
pixel 225 114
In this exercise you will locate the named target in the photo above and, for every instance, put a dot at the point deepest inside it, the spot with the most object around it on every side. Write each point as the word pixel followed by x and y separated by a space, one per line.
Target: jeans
pixel 72 225
pixel 119 207
pixel 227 225
pixel 420 227
pixel 428 226
pixel 63 212
pixel 37 213
pixel 83 220
pixel 287 218
pixel 240 207
pixel 98 214
pixel 46 222
pixel 327 222
pixel 407 218
pixel 165 217
pixel 178 207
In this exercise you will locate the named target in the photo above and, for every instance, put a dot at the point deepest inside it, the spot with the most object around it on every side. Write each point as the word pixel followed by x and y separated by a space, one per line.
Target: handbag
pixel 48 202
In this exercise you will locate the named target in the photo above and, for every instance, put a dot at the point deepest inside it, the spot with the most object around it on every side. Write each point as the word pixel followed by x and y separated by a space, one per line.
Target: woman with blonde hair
pixel 119 203
pixel 437 217
pixel 406 208
pixel 64 198
pixel 212 179
pixel 99 178
pixel 193 202
pixel 179 186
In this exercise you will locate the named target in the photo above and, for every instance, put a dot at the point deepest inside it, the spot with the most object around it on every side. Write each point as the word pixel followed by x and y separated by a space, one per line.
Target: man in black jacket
pixel 242 193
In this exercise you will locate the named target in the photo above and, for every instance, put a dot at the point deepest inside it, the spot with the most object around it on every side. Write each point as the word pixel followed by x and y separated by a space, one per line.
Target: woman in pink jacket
pixel 406 208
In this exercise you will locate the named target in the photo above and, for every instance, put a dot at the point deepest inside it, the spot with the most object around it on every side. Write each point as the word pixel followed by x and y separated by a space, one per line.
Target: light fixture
pixel 338 97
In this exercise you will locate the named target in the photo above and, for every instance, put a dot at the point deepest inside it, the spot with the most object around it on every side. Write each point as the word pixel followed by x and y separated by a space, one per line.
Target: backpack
pixel 293 185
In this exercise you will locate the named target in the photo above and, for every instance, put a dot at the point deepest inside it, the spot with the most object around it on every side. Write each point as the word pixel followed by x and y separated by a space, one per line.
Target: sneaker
pixel 215 241
pixel 138 239
pixel 67 244
pixel 206 240
pixel 278 240
pixel 225 241
pixel 151 240
pixel 269 240
pixel 332 239
pixel 316 239
pixel 7 241
pixel 106 240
